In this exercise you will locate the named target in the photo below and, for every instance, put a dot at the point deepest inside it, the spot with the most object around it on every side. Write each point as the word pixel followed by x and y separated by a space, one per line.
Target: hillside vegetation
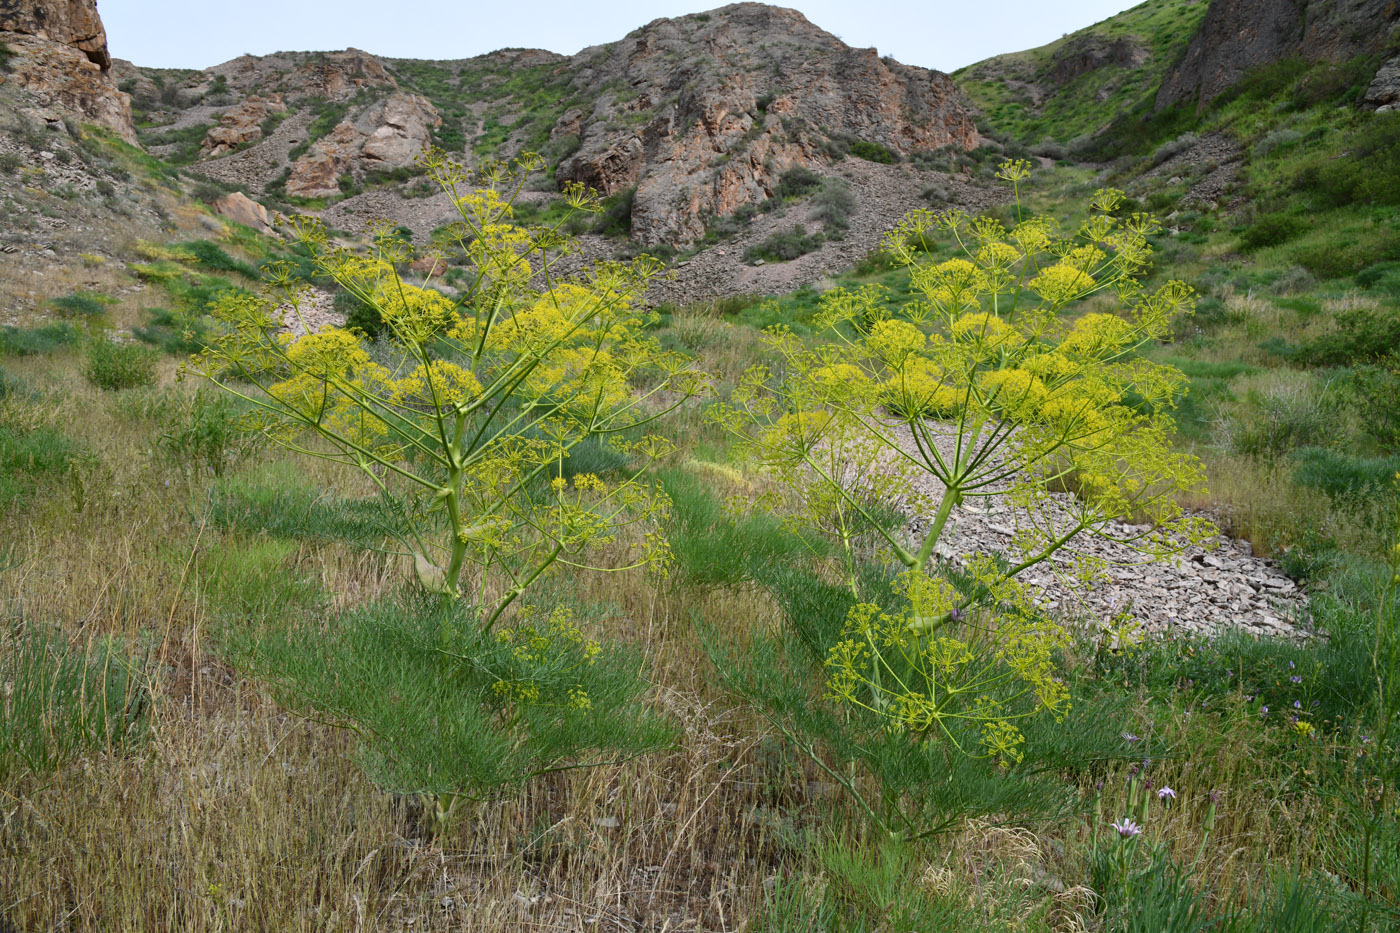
pixel 1068 90
pixel 441 579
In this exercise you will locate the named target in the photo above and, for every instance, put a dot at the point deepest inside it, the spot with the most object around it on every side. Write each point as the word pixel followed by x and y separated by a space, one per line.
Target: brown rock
pixel 317 173
pixel 241 125
pixel 387 136
pixel 240 208
pixel 61 60
pixel 403 126
pixel 73 23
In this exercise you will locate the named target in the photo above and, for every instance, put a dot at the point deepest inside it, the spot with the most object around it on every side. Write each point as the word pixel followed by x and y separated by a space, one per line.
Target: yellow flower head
pixel 893 341
pixel 1061 284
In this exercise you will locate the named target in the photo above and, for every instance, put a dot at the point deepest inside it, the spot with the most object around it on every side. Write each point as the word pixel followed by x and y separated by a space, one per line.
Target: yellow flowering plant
pixel 993 385
pixel 466 413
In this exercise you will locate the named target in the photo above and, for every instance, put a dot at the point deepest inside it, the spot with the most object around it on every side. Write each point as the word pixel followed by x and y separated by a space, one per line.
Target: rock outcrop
pixel 1384 93
pixel 59 57
pixel 1237 35
pixel 703 114
pixel 386 136
pixel 241 126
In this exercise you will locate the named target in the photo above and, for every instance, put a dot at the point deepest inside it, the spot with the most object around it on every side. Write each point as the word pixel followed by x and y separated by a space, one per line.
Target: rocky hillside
pixel 1238 35
pixel 703 114
pixel 56 52
pixel 692 118
pixel 1075 85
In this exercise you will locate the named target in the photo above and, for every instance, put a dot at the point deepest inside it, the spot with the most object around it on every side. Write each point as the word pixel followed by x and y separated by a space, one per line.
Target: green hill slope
pixel 1071 87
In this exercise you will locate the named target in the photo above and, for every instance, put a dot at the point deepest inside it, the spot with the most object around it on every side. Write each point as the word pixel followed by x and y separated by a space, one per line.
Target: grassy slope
pixel 999 85
pixel 730 829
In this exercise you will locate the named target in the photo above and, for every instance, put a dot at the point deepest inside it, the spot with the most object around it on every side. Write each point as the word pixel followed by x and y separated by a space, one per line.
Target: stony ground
pixel 1203 590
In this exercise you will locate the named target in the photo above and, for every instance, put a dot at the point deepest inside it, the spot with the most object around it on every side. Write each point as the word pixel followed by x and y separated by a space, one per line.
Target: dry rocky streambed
pixel 1203 590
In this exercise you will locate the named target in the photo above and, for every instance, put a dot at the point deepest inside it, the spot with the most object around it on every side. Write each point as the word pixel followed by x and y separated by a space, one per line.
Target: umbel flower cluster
pixel 465 413
pixel 1016 375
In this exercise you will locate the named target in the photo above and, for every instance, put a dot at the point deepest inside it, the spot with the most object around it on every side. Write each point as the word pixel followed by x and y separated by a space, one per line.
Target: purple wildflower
pixel 1297 705
pixel 1127 829
pixel 1129 737
pixel 1263 711
pixel 1297 678
pixel 1166 793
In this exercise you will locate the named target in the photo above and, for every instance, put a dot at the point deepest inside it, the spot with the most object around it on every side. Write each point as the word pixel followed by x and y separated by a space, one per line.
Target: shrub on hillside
pixel 835 203
pixel 873 152
pixel 785 245
pixel 797 182
pixel 116 366
pixel 83 304
pixel 1364 172
pixel 1344 477
pixel 1271 230
pixel 616 217
pixel 1362 335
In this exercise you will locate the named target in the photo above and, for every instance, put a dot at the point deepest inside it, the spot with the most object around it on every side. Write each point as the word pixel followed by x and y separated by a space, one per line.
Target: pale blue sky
pixel 943 34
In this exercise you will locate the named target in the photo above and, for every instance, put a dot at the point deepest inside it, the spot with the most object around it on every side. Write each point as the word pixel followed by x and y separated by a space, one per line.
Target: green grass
pixel 61 702
pixel 1077 107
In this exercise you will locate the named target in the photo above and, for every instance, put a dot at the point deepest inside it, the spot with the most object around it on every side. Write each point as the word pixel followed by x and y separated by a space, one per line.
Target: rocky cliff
pixel 699 115
pixel 702 114
pixel 58 55
pixel 1237 35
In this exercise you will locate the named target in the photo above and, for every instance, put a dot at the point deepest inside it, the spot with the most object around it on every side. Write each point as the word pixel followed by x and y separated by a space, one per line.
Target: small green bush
pixel 873 152
pixel 785 245
pixel 83 304
pixel 1381 277
pixel 616 217
pixel 1271 230
pixel 1366 170
pixel 35 341
pixel 797 182
pixel 359 315
pixel 1362 334
pixel 212 256
pixel 206 433
pixel 31 455
pixel 116 366
pixel 835 203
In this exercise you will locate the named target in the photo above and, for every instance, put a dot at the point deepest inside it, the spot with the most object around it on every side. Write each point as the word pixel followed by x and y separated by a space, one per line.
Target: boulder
pixel 241 125
pixel 241 209
pixel 402 128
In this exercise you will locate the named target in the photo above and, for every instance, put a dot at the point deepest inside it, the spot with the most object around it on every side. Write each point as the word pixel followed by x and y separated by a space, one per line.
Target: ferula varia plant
pixel 1002 382
pixel 465 411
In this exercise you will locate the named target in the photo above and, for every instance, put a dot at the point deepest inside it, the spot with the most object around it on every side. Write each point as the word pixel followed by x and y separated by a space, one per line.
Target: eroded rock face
pixel 386 136
pixel 60 58
pixel 332 75
pixel 1384 93
pixel 74 23
pixel 718 106
pixel 1237 35
pixel 241 126
pixel 402 127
